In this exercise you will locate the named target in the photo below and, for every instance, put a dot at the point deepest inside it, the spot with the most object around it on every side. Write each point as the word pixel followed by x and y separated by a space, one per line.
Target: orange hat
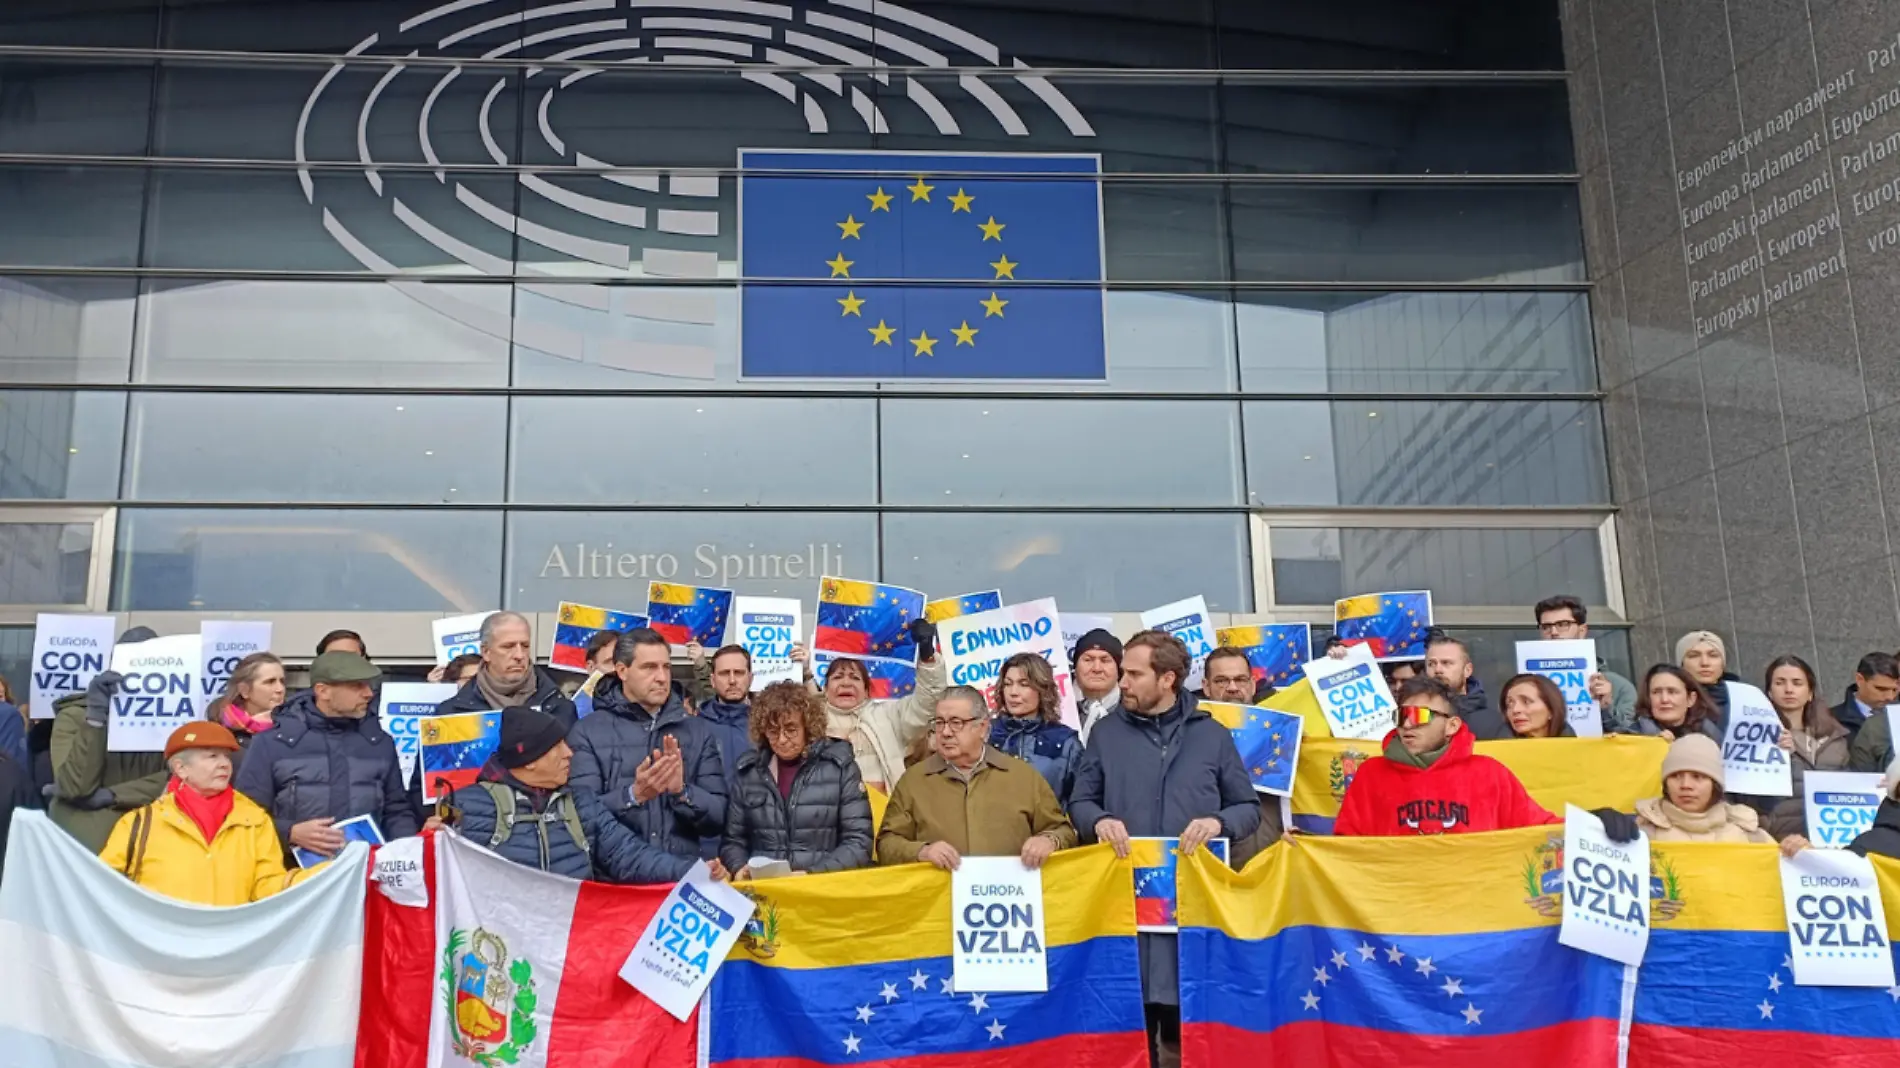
pixel 200 736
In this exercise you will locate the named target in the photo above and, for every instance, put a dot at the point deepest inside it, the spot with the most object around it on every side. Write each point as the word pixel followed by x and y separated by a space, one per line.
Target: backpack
pixel 560 810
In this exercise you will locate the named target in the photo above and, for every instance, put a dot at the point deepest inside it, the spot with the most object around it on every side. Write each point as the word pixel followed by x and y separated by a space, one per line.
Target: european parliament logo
pixel 913 265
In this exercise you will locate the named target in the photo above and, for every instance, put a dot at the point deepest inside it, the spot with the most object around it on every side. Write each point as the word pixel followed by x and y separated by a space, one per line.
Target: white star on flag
pixel 889 993
pixel 1426 967
pixel 1366 952
pixel 865 1014
pixel 1321 977
pixel 1787 962
pixel 1339 959
pixel 996 1029
pixel 1453 988
pixel 1894 992
pixel 1774 984
pixel 1472 1013
pixel 919 981
pixel 979 1002
pixel 851 1043
pixel 1311 1000
pixel 1393 954
pixel 1767 1009
pixel 949 987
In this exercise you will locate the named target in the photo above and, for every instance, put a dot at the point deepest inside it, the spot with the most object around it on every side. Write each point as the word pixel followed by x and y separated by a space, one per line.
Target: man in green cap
pixel 325 762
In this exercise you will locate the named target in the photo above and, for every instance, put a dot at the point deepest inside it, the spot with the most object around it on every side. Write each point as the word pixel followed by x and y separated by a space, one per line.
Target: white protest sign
pixel 686 941
pixel 1840 805
pixel 1606 891
pixel 768 627
pixel 398 873
pixel 974 648
pixel 457 635
pixel 404 705
pixel 1076 624
pixel 1569 664
pixel 1351 691
pixel 157 694
pixel 996 919
pixel 224 642
pixel 68 652
pixel 1188 621
pixel 1836 925
pixel 1753 761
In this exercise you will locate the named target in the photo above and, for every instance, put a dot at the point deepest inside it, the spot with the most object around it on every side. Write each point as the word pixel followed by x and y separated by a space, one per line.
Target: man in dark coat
pixel 327 761
pixel 1161 768
pixel 92 787
pixel 722 698
pixel 524 809
pixel 656 768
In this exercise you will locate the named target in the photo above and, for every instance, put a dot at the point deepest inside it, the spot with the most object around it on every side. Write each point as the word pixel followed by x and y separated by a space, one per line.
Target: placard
pixel 1187 620
pixel 1840 805
pixel 398 873
pixel 686 941
pixel 685 614
pixel 1352 693
pixel 768 627
pixel 1569 664
pixel 68 653
pixel 1753 761
pixel 1393 624
pixel 1155 861
pixel 1076 624
pixel 224 642
pixel 576 624
pixel 1268 740
pixel 404 706
pixel 1606 891
pixel 457 636
pixel 454 748
pixel 974 648
pixel 967 605
pixel 355 829
pixel 157 695
pixel 996 923
pixel 1837 929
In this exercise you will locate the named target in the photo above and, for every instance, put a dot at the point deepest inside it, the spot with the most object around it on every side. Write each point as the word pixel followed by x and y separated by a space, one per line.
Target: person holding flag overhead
pixel 881 731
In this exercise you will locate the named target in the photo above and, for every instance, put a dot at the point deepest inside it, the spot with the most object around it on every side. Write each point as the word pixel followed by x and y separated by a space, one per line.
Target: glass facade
pixel 418 306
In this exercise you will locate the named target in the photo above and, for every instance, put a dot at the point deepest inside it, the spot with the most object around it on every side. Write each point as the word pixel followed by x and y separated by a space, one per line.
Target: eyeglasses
pixel 1229 680
pixel 952 725
pixel 1554 626
pixel 783 730
pixel 1417 715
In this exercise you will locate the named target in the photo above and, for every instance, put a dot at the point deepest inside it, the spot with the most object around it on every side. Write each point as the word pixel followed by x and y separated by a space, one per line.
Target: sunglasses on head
pixel 1417 715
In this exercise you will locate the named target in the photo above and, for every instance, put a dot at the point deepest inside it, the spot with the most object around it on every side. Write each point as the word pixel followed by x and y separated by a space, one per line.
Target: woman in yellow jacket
pixel 201 841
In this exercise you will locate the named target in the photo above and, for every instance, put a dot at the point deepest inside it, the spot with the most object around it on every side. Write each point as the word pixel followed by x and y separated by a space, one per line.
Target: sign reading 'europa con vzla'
pixel 582 560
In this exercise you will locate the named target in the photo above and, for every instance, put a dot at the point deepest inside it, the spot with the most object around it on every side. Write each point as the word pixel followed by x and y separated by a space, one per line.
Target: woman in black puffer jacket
pixel 796 795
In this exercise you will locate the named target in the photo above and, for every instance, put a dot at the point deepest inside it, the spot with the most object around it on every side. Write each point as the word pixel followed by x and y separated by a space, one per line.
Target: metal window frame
pixel 104 523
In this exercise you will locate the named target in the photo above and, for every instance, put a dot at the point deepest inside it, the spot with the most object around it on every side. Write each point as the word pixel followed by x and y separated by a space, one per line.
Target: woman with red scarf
pixel 201 841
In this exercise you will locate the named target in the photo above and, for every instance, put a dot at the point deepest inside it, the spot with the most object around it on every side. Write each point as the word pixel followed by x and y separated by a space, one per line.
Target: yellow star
pixel 841 267
pixel 1004 268
pixel 852 302
pixel 961 202
pixel 992 306
pixel 880 200
pixel 923 344
pixel 966 334
pixel 920 191
pixel 850 226
pixel 881 334
pixel 992 230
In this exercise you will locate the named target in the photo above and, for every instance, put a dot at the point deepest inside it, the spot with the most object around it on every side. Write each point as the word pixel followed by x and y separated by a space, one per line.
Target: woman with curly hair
pixel 1029 726
pixel 796 795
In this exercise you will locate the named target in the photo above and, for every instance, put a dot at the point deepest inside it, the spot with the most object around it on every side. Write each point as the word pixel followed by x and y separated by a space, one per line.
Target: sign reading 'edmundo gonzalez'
pixel 975 647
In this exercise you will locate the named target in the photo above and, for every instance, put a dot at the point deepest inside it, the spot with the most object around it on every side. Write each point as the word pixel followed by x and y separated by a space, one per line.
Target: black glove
pixel 98 799
pixel 924 633
pixel 99 697
pixel 1620 827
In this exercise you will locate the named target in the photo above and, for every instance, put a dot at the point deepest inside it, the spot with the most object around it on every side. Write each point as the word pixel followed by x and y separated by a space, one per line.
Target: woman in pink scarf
pixel 251 698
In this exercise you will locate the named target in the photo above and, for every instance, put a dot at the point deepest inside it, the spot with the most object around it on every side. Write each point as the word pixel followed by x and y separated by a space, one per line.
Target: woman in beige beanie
pixel 1691 808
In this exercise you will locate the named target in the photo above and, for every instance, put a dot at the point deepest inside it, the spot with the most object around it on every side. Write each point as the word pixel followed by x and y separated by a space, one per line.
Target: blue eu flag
pixel 959 243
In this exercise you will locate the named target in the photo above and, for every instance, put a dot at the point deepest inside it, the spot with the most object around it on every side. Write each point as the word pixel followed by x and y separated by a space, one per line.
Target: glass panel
pixel 65 329
pixel 98 23
pixel 254 560
pixel 70 216
pixel 335 26
pixel 45 563
pixel 1409 129
pixel 1088 563
pixel 16 663
pixel 97 109
pixel 1135 124
pixel 282 447
pixel 1406 342
pixel 1505 567
pixel 975 453
pixel 607 558
pixel 1076 33
pixel 1440 454
pixel 1165 233
pixel 1392 35
pixel 57 445
pixel 324 333
pixel 695 450
pixel 1496 234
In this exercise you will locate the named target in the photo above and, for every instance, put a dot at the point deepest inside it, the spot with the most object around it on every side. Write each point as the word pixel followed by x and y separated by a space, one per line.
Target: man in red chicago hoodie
pixel 1430 781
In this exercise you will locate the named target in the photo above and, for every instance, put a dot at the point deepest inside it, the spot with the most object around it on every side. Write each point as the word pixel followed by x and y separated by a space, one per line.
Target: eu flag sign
pixel 914 265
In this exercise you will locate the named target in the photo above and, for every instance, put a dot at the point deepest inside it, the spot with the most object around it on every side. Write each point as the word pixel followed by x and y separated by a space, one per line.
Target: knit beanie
pixel 526 736
pixel 1097 639
pixel 1700 637
pixel 1694 752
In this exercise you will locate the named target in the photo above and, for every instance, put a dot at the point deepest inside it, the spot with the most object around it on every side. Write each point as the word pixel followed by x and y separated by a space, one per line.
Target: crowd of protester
pixel 635 776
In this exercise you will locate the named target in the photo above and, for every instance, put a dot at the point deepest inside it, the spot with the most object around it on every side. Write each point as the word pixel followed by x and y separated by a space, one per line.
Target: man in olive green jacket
pixel 91 787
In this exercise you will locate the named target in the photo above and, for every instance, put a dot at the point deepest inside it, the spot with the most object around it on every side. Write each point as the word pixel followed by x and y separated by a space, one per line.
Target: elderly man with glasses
pixel 969 799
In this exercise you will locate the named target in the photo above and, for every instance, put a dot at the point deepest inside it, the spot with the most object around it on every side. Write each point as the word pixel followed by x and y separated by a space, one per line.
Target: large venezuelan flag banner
pixel 855 968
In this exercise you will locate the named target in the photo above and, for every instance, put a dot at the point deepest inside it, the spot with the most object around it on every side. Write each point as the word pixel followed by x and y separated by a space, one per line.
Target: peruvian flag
pixel 509 966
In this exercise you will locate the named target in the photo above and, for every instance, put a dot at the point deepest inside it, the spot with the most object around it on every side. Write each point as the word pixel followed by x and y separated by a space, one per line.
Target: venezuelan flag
pixel 866 618
pixel 1157 864
pixel 1393 624
pixel 1430 953
pixel 454 748
pixel 1274 650
pixel 810 986
pixel 577 624
pixel 1268 740
pixel 889 678
pixel 967 605
pixel 685 614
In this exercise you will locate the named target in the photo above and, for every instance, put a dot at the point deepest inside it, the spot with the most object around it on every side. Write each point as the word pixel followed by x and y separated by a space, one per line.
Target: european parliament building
pixel 366 312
